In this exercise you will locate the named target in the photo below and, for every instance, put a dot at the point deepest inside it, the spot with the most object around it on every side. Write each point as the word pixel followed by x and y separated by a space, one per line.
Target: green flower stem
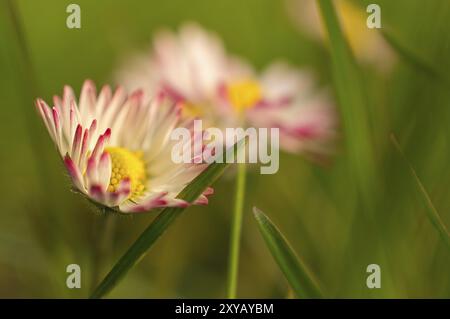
pixel 103 251
pixel 236 227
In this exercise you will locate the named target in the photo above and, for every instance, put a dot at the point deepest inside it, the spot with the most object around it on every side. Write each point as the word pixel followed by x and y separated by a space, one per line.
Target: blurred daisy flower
pixel 193 67
pixel 116 148
pixel 367 44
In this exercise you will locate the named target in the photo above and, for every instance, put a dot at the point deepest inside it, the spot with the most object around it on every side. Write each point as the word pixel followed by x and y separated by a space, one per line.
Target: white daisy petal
pixel 193 67
pixel 108 140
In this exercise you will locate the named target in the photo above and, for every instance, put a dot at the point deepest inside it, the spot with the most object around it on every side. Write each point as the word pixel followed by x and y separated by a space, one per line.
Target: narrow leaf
pixel 411 57
pixel 296 273
pixel 432 213
pixel 353 102
pixel 145 241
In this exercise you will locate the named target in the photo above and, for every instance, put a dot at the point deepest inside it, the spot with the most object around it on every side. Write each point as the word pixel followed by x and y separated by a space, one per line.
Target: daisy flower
pixel 367 44
pixel 117 149
pixel 193 67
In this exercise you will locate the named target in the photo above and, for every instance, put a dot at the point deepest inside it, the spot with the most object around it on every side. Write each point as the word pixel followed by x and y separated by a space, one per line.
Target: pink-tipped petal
pixel 40 105
pixel 49 120
pixel 84 147
pixel 202 200
pixel 137 96
pixel 104 98
pixel 76 145
pixel 57 102
pixel 98 149
pixel 91 171
pixel 92 130
pixel 104 170
pixel 107 134
pixel 58 128
pixel 96 192
pixel 157 202
pixel 125 186
pixel 74 173
pixel 208 191
pixel 68 96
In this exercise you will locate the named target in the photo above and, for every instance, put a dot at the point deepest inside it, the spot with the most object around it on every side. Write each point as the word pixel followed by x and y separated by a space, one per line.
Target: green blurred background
pixel 44 227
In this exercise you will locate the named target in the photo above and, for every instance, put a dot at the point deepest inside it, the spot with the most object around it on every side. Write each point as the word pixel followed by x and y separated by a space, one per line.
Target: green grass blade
pixel 352 100
pixel 409 56
pixel 432 212
pixel 145 241
pixel 298 276
pixel 236 230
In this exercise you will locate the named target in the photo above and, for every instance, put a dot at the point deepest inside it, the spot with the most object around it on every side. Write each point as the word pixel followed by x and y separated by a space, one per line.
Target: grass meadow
pixel 381 198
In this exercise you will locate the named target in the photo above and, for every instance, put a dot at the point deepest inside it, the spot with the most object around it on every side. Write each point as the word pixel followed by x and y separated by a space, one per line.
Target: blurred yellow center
pixel 354 22
pixel 192 110
pixel 127 164
pixel 244 94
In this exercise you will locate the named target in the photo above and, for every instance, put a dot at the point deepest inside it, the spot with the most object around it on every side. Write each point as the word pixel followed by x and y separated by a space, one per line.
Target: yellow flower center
pixel 244 94
pixel 354 22
pixel 127 164
pixel 192 110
